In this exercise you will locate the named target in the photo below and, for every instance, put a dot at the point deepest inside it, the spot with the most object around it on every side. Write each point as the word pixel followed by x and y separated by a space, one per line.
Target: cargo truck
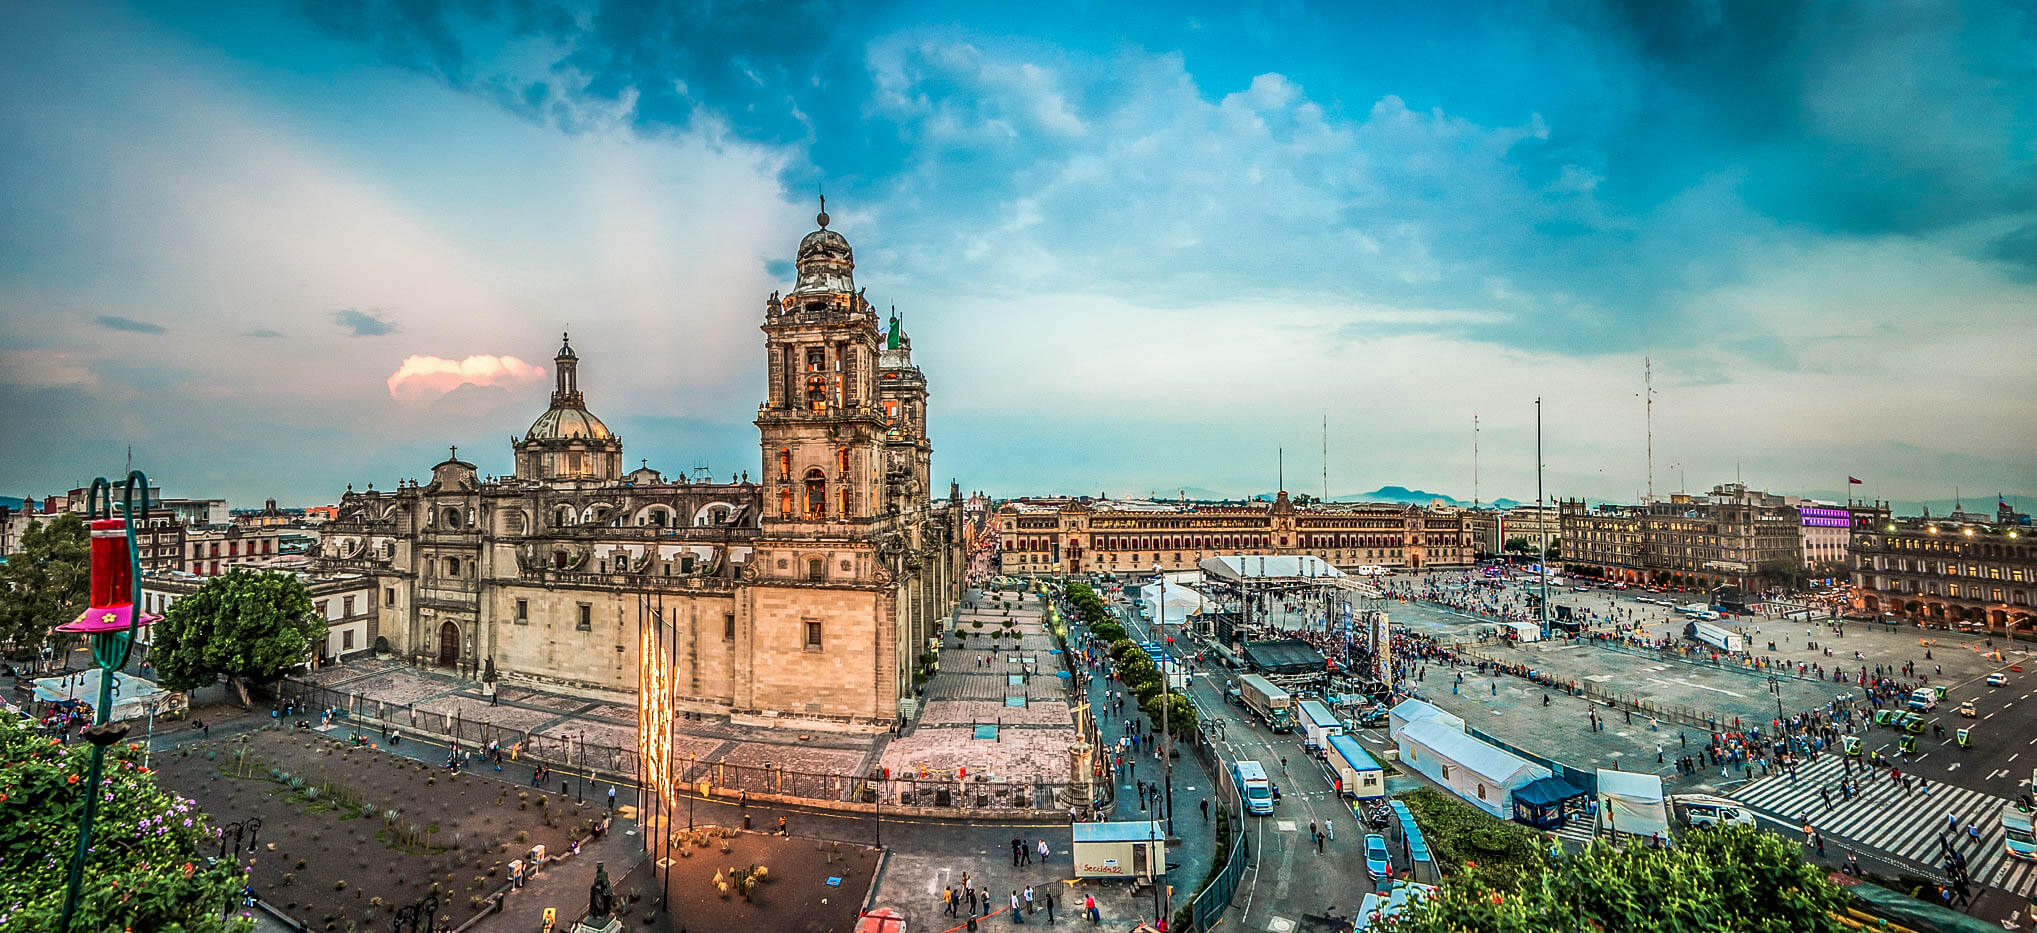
pixel 1318 724
pixel 1718 636
pixel 1270 703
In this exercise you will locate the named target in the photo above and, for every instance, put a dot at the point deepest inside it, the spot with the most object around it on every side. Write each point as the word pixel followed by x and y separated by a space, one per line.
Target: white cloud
pixel 46 369
pixel 423 378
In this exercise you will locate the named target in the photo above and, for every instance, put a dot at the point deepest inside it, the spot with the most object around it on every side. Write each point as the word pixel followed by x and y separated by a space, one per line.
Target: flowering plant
pixel 146 869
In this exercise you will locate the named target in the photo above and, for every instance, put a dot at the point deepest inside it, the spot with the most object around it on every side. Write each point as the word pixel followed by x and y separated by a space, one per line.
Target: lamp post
pixel 1166 734
pixel 113 620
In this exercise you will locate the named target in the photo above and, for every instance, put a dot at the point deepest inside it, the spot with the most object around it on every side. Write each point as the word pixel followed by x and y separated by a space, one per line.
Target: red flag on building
pixel 1854 481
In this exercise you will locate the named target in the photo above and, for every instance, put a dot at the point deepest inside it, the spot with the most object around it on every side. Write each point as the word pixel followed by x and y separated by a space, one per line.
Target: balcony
pixel 442 593
pixel 629 582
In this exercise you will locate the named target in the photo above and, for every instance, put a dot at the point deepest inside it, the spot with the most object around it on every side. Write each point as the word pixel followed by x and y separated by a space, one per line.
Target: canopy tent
pixel 1177 602
pixel 1540 803
pixel 1630 802
pixel 1267 568
pixel 1283 656
pixel 132 695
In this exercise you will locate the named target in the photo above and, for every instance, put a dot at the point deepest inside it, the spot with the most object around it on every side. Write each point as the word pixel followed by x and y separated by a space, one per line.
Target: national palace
pixel 808 591
pixel 1102 536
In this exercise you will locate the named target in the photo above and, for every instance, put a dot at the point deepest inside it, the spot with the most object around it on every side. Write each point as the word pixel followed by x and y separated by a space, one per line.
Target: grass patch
pixel 1460 835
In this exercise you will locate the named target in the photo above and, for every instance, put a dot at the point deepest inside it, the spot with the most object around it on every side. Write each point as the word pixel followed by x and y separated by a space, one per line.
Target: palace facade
pixel 809 591
pixel 1107 537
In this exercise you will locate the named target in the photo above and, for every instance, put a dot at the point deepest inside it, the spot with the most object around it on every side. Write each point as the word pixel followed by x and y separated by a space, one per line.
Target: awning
pixel 1546 792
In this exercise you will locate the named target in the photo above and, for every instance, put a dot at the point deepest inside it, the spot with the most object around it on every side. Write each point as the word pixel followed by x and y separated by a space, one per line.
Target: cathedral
pixel 808 592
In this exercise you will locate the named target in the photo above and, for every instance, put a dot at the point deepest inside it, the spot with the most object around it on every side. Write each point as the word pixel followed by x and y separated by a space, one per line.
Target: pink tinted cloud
pixel 426 378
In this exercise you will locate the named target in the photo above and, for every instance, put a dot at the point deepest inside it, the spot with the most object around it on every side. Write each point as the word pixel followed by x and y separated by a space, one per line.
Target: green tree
pixel 47 583
pixel 247 626
pixel 147 866
pixel 1731 878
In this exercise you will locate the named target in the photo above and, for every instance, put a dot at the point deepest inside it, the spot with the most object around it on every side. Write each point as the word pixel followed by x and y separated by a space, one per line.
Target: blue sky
pixel 280 248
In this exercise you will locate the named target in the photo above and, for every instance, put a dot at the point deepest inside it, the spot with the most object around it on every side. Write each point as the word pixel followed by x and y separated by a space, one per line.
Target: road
pixel 1288 879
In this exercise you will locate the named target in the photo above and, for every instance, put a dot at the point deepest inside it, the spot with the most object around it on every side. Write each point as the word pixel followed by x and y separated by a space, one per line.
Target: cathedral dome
pixel 562 423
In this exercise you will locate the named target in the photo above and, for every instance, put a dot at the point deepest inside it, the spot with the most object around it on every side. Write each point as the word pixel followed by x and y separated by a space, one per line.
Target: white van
pixel 1703 810
pixel 1254 787
pixel 1924 699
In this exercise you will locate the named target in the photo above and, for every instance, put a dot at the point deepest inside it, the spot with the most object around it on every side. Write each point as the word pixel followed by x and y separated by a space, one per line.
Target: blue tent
pixel 1540 803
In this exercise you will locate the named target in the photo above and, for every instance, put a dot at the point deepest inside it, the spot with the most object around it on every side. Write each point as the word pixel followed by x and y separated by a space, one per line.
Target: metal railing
pixel 707 778
pixel 1209 904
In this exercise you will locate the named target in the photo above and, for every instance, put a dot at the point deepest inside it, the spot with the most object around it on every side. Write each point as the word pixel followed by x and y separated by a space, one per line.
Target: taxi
pixel 1966 709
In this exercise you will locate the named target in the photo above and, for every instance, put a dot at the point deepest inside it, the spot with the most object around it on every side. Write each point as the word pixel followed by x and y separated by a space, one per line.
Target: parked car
pixel 1378 863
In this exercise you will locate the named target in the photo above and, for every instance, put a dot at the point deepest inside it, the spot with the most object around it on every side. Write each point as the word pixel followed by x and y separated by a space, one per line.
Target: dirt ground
pixel 380 831
pixel 796 898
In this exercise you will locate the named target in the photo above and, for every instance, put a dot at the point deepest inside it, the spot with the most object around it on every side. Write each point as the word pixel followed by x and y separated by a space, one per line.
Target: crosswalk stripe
pixel 1907 826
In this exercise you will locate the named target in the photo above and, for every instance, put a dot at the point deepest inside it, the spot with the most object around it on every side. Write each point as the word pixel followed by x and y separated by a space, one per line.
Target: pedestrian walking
pixel 1016 846
pixel 1205 809
pixel 1043 851
pixel 948 901
pixel 1016 917
pixel 1050 905
pixel 1030 908
pixel 1089 908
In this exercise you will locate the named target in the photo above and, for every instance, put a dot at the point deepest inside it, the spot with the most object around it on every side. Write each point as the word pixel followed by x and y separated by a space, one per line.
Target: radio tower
pixel 1648 390
pixel 1326 458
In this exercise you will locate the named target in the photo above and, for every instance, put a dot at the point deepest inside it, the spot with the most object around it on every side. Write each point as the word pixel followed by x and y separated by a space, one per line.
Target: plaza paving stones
pixel 1882 817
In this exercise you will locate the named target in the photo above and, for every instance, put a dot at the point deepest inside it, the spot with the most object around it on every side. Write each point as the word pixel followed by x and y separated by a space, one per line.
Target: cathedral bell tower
pixel 821 426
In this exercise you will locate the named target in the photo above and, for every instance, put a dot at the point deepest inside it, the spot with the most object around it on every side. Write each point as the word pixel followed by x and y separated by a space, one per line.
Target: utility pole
pixel 1542 511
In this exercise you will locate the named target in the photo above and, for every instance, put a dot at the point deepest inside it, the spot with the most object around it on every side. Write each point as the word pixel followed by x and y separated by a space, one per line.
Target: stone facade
pixel 810 591
pixel 1730 536
pixel 1107 537
pixel 1976 576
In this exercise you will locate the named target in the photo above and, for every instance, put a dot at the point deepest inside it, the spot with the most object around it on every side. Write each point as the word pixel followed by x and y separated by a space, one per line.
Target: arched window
pixel 563 517
pixel 816 496
pixel 816 394
pixel 842 461
pixel 816 569
pixel 785 502
pixel 842 508
pixel 785 464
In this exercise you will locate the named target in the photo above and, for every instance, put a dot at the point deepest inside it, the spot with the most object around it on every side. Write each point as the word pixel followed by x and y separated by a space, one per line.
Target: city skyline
pixel 277 253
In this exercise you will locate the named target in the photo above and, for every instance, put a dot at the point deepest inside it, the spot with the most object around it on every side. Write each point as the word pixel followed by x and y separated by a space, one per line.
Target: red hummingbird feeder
pixel 112 607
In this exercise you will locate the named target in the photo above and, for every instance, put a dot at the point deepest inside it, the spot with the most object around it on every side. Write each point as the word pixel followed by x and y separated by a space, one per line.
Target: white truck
pixel 1718 636
pixel 1270 703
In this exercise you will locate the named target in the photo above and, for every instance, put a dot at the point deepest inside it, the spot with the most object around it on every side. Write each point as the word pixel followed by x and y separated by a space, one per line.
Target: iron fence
pixel 720 779
pixel 1215 897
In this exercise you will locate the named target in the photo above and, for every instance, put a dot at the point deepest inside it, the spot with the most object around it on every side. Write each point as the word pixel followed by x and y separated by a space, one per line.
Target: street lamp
pixel 113 620
pixel 1166 733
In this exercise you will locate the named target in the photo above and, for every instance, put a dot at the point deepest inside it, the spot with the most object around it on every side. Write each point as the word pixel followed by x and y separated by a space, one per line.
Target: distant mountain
pixel 1406 496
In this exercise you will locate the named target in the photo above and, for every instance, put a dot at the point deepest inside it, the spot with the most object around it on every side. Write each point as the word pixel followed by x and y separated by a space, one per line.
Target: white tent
pixel 131 699
pixel 1179 602
pixel 1630 802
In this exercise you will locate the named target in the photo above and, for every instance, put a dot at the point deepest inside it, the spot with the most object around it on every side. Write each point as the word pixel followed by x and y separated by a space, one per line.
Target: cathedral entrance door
pixel 449 644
